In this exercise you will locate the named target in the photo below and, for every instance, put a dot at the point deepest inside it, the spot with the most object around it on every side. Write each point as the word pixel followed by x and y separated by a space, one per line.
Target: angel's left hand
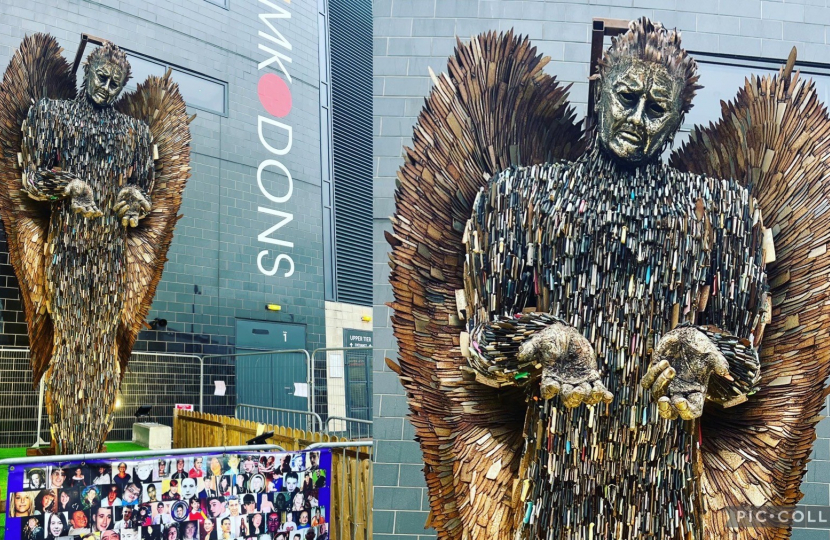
pixel 131 206
pixel 678 377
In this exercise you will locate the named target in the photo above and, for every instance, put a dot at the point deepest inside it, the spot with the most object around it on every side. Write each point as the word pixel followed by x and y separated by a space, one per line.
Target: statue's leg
pixel 81 389
pixel 85 299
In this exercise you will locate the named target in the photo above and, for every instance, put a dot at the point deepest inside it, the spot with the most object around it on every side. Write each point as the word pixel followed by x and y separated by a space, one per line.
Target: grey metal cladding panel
pixel 350 25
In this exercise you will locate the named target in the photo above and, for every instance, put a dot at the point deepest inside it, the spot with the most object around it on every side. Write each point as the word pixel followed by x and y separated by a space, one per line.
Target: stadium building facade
pixel 272 250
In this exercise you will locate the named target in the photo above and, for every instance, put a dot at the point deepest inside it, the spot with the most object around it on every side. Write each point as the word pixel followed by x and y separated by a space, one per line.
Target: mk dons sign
pixel 275 97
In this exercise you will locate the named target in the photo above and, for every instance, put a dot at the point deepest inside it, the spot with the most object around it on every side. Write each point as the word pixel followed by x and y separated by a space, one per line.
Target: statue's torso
pixel 622 259
pixel 104 148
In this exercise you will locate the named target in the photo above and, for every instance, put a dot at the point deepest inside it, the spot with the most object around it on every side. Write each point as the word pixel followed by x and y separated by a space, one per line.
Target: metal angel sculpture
pixel 596 344
pixel 90 187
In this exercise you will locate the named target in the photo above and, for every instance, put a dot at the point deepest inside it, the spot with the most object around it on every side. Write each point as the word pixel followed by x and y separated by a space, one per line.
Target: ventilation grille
pixel 350 35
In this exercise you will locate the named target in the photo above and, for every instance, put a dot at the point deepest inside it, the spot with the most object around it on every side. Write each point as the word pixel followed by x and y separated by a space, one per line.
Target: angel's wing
pixel 37 70
pixel 156 102
pixel 494 109
pixel 775 136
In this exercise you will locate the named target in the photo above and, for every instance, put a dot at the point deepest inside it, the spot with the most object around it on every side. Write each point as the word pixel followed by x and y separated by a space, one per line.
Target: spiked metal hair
pixel 652 42
pixel 108 52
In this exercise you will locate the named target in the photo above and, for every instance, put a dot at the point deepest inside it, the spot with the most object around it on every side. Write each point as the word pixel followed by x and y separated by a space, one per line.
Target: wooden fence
pixel 350 512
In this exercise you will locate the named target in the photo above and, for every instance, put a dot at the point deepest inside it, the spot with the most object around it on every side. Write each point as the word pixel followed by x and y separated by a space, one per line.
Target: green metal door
pixel 271 379
pixel 358 378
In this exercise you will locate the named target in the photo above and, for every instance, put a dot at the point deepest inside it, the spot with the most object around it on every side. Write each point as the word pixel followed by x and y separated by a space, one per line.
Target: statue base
pixel 51 450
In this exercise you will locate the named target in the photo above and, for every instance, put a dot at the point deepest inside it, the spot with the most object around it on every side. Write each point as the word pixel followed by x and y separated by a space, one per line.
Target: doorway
pixel 271 379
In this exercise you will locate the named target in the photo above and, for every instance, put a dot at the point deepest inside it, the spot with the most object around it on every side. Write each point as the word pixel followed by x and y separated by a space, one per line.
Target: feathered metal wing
pixel 495 108
pixel 158 103
pixel 37 70
pixel 775 136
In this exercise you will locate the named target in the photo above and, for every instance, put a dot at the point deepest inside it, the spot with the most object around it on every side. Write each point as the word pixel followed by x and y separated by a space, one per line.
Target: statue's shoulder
pixel 142 130
pixel 132 121
pixel 719 188
pixel 140 125
pixel 50 106
pixel 723 196
pixel 551 173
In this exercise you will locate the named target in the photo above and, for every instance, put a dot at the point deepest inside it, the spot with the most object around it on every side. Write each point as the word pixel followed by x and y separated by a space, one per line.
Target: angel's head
pixel 106 71
pixel 645 87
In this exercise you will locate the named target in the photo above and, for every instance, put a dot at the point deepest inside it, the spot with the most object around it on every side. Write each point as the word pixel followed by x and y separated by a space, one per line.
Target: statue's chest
pixel 106 141
pixel 624 232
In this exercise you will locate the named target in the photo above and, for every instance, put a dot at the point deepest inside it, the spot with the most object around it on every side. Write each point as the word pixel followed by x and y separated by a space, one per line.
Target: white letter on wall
pixel 286 218
pixel 282 167
pixel 288 129
pixel 277 262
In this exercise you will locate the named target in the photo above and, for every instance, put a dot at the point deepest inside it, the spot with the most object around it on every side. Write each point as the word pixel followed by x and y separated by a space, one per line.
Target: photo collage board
pixel 239 495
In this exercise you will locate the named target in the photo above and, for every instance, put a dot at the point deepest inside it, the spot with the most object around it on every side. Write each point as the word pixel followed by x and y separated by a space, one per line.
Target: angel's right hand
pixel 569 366
pixel 82 199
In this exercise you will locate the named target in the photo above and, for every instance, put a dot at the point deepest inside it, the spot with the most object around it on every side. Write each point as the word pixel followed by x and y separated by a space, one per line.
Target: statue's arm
pixel 42 180
pixel 522 346
pixel 744 365
pixel 134 200
pixel 717 359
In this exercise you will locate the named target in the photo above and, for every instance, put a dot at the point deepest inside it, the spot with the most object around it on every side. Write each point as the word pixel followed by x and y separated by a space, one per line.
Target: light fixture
pixel 144 412
pixel 273 307
pixel 260 439
pixel 366 318
pixel 158 324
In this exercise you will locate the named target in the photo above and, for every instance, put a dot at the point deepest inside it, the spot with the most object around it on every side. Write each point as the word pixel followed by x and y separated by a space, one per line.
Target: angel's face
pixel 639 110
pixel 104 83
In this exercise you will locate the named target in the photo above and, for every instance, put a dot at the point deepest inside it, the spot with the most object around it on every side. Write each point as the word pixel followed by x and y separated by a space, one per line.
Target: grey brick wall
pixel 412 35
pixel 212 278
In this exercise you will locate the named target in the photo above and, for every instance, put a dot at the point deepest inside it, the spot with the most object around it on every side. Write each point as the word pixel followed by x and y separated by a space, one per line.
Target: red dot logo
pixel 274 95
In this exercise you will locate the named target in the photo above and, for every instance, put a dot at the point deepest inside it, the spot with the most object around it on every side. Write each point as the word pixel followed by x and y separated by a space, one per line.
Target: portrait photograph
pixel 35 478
pixel 22 503
pixel 46 501
pixel 69 499
pixel 179 511
pixel 57 478
pixel 179 468
pixel 79 522
pixel 80 476
pixel 91 496
pixel 32 528
pixel 151 532
pixel 144 471
pixel 101 473
pixel 170 490
pixel 292 481
pixel 151 492
pixel 298 462
pixel 111 495
pixel 189 530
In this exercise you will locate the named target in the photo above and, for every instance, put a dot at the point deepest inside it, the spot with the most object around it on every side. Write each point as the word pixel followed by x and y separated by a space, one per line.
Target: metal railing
pixel 306 420
pixel 351 428
pixel 18 395
pixel 161 380
pixel 11 462
pixel 342 378
pixel 255 381
pixel 341 391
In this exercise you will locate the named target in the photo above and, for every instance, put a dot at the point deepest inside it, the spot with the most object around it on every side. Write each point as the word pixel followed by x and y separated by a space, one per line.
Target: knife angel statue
pixel 596 344
pixel 90 187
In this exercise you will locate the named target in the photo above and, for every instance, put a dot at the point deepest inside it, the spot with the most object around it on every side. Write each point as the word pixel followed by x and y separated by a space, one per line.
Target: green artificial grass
pixel 6 453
